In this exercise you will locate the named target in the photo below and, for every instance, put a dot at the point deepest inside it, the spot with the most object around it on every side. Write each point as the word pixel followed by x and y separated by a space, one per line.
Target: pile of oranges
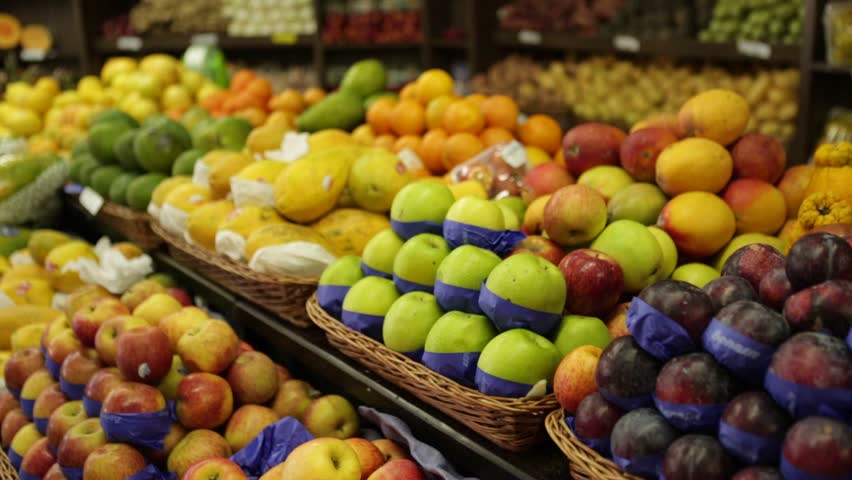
pixel 445 130
pixel 250 97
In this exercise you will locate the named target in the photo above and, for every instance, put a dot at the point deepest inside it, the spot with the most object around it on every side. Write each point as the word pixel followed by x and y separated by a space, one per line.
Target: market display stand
pixel 307 353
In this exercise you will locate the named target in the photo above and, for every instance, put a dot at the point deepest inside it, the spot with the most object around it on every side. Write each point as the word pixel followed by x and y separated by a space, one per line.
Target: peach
pixel 694 164
pixel 758 206
pixel 641 148
pixel 793 185
pixel 544 179
pixel 699 223
pixel 759 156
pixel 575 377
pixel 591 144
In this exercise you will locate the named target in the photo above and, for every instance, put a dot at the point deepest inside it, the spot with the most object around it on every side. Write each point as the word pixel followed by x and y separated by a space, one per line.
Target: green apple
pixel 477 211
pixel 641 202
pixel 635 249
pixel 510 219
pixel 409 320
pixel 419 258
pixel 606 179
pixel 529 281
pixel 459 332
pixel 697 274
pixel 669 250
pixel 345 271
pixel 467 267
pixel 422 201
pixel 520 356
pixel 381 250
pixel 578 330
pixel 516 204
pixel 371 296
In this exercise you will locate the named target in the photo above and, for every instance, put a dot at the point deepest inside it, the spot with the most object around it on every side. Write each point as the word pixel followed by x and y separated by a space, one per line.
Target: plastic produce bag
pixel 113 270
pixel 271 446
pixel 36 200
pixel 247 192
pixel 295 258
pixel 500 169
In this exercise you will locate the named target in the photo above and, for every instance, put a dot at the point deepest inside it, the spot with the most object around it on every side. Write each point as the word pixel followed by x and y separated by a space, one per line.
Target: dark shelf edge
pixel 448 44
pixel 175 43
pixel 825 67
pixel 390 46
pixel 679 48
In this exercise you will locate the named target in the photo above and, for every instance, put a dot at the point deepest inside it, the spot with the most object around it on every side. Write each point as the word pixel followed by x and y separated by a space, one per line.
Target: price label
pixel 72 188
pixel 514 154
pixel 754 49
pixel 33 55
pixel 529 37
pixel 208 39
pixel 91 200
pixel 129 43
pixel 285 38
pixel 410 159
pixel 626 43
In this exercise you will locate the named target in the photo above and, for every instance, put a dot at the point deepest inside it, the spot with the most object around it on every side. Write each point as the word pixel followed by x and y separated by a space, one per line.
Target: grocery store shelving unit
pixel 309 356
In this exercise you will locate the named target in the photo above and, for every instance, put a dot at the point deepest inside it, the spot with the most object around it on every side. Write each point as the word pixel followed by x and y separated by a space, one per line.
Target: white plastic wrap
pixel 173 219
pixel 112 270
pixel 230 244
pixel 250 192
pixel 20 258
pixel 294 258
pixel 201 174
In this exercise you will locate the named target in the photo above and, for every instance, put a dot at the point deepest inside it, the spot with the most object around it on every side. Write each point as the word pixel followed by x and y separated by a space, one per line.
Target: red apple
pixel 293 398
pixel 594 282
pixel 180 295
pixel 78 368
pixel 83 295
pixel 640 150
pixel 196 446
pixel 113 461
pixel 391 450
pixel 204 400
pixel 53 328
pixel 133 397
pixel 209 347
pixel 176 324
pixel 54 473
pixel 11 424
pixel 80 441
pixel 246 423
pixel 20 366
pixel 543 179
pixel 245 347
pixel 143 354
pixel 591 144
pixel 62 419
pixel 101 384
pixel 574 215
pixel 398 470
pixel 47 401
pixel 88 319
pixel 139 292
pixel 331 416
pixel 63 344
pixel 370 457
pixel 7 404
pixel 175 435
pixel 759 156
pixel 215 468
pixel 540 246
pixel 107 335
pixel 38 459
pixel 253 378
pixel 283 374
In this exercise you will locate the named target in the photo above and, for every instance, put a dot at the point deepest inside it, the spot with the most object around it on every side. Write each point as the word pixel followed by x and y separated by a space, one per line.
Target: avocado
pixel 102 178
pixel 102 138
pixel 185 163
pixel 364 78
pixel 77 163
pixel 111 115
pixel 341 110
pixel 118 189
pixel 86 171
pixel 123 150
pixel 140 189
pixel 157 146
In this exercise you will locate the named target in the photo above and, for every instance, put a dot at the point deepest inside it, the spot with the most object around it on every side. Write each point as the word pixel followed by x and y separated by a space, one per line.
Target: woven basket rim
pixel 227 264
pixel 450 388
pixel 581 456
pixel 116 210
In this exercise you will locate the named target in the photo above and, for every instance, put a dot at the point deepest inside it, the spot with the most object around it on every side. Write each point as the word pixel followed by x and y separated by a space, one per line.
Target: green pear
pixel 381 250
pixel 371 296
pixel 467 267
pixel 697 274
pixel 578 330
pixel 606 179
pixel 516 204
pixel 422 201
pixel 409 320
pixel 635 249
pixel 520 356
pixel 459 332
pixel 529 281
pixel 640 202
pixel 478 212
pixel 418 259
pixel 669 250
pixel 345 271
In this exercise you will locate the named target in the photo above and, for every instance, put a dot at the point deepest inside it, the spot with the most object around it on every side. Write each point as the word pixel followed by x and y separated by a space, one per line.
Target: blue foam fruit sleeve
pixel 688 417
pixel 451 297
pixel 500 387
pixel 740 354
pixel 460 367
pixel 369 325
pixel 372 272
pixel 74 391
pixel 271 446
pixel 139 429
pixel 749 448
pixel 600 445
pixel 500 242
pixel 92 407
pixel 330 298
pixel 407 286
pixel 803 401
pixel 406 230
pixel 656 333
pixel 507 316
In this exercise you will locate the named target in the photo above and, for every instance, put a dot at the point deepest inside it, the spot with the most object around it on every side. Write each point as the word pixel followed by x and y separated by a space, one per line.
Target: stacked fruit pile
pixel 606 89
pixel 364 23
pixel 774 21
pixel 582 17
pixel 751 373
pixel 110 386
pixel 158 16
pixel 277 17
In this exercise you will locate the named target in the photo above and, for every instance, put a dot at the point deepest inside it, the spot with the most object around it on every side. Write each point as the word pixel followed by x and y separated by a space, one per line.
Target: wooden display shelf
pixel 174 43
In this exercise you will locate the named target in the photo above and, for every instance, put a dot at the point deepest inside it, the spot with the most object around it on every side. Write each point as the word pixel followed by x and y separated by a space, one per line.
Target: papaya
pixel 349 229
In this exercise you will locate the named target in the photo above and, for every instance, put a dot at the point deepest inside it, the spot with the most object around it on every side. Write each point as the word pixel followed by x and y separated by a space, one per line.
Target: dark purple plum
pixel 683 302
pixel 753 262
pixel 728 289
pixel 758 473
pixel 595 417
pixel 819 446
pixel 697 457
pixel 626 371
pixel 814 360
pixel 775 288
pixel 696 379
pixel 818 257
pixel 641 434
pixel 755 321
pixel 825 305
pixel 755 413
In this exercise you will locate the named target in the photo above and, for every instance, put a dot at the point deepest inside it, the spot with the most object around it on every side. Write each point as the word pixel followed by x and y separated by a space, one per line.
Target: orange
pixel 379 115
pixel 435 111
pixel 500 111
pixel 289 100
pixel 475 98
pixel 408 118
pixel 559 157
pixel 494 135
pixel 409 91
pixel 214 100
pixel 364 135
pixel 259 88
pixel 385 141
pixel 411 142
pixel 460 148
pixel 432 84
pixel 543 132
pixel 255 116
pixel 432 150
pixel 313 95
pixel 284 119
pixel 241 78
pixel 462 116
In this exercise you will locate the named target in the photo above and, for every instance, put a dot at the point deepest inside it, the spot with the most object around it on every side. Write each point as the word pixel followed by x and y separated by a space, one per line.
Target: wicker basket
pixel 283 295
pixel 134 226
pixel 7 471
pixel 585 463
pixel 512 423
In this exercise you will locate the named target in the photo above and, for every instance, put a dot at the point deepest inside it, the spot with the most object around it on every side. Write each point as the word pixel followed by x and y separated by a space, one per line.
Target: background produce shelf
pixel 308 354
pixel 171 43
